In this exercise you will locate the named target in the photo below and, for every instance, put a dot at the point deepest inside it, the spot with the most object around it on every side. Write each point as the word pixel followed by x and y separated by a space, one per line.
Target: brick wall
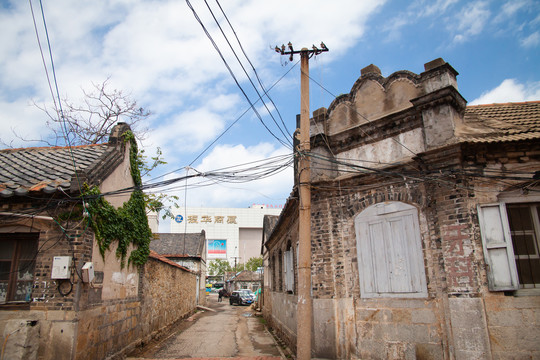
pixel 72 319
pixel 460 318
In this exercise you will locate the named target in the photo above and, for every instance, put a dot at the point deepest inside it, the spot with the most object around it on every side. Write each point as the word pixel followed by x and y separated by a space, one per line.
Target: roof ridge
pixel 53 147
pixel 507 103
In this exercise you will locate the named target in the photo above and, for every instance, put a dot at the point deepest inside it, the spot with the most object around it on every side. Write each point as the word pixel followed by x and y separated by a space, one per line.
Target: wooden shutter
pixel 389 251
pixel 498 249
pixel 289 271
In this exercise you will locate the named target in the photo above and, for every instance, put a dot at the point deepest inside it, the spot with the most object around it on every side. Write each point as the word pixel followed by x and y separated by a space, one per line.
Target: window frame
pixel 502 273
pixel 14 264
pixel 288 270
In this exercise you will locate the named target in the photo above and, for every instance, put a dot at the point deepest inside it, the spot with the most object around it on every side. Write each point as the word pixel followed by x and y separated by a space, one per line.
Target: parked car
pixel 249 293
pixel 239 297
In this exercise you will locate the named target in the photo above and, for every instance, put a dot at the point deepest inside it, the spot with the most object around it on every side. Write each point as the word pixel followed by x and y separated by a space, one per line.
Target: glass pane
pixel 23 291
pixel 26 270
pixel 7 248
pixel 27 249
pixel 529 271
pixel 519 217
pixel 524 244
pixel 5 269
pixel 3 291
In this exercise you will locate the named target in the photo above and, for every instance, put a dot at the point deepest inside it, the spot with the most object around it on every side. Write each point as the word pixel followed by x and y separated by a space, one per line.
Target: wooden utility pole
pixel 304 314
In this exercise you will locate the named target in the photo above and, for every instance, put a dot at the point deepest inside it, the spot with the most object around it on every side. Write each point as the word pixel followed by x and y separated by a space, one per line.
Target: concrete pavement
pixel 231 332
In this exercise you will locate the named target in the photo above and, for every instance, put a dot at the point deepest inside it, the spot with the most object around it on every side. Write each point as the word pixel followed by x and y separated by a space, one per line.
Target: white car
pixel 248 292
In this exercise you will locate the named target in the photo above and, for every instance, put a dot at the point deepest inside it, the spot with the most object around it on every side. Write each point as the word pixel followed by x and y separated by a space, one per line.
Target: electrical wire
pixel 43 57
pixel 252 106
pixel 253 68
pixel 228 128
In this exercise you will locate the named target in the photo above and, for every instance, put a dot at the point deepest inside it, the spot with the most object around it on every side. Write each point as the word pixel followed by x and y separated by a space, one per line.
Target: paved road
pixel 229 332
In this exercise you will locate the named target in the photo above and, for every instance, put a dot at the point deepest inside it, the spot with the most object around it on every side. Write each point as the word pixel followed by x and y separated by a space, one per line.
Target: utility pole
pixel 304 315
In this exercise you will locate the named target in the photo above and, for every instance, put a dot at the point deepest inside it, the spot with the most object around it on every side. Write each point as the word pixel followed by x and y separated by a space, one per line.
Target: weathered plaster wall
pixel 114 326
pixel 115 282
pixel 283 318
pixel 118 179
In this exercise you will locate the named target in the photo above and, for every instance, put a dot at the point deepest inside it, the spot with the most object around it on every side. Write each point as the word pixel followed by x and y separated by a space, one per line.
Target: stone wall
pixel 460 318
pixel 168 295
pixel 514 326
pixel 108 329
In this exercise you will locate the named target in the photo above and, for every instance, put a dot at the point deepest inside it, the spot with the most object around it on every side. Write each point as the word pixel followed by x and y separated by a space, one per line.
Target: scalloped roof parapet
pixel 374 96
pixel 381 80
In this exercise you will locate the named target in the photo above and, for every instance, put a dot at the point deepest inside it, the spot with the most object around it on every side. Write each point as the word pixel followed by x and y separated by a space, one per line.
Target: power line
pixel 253 67
pixel 233 76
pixel 287 136
pixel 230 126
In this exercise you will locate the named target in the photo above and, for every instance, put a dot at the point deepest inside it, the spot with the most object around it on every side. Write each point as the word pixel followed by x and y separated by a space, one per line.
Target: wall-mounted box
pixel 88 272
pixel 61 267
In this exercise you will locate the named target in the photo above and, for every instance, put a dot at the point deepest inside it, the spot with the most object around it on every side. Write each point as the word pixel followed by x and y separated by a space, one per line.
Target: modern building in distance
pixel 232 234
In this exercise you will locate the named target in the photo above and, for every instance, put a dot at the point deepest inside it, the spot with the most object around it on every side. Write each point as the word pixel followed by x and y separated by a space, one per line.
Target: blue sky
pixel 159 53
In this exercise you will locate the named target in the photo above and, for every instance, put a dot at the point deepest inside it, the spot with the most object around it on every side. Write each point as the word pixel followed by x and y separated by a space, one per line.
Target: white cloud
pixel 417 10
pixel 21 118
pixel 532 40
pixel 272 189
pixel 509 91
pixel 187 131
pixel 510 8
pixel 434 8
pixel 470 21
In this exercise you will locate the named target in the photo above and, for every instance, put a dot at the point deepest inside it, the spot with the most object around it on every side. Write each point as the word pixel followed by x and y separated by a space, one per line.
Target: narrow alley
pixel 222 332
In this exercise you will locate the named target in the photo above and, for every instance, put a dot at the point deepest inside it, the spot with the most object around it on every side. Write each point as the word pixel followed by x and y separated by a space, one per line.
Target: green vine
pixel 127 224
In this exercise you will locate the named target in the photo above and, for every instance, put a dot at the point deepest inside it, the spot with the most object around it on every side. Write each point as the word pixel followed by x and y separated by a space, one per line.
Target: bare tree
pixel 90 121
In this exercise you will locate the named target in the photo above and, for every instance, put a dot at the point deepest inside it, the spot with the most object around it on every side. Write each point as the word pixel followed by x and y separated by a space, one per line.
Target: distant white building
pixel 232 234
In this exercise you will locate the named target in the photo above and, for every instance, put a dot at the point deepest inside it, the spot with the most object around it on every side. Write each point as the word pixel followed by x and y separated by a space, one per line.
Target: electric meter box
pixel 61 267
pixel 88 272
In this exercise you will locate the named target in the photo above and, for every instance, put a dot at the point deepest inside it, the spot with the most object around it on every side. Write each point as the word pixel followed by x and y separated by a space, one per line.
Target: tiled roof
pixel 501 122
pixel 30 171
pixel 246 275
pixel 45 168
pixel 179 245
pixel 155 255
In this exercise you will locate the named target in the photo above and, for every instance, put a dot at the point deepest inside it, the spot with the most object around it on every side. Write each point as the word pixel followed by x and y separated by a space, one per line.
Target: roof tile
pixel 501 122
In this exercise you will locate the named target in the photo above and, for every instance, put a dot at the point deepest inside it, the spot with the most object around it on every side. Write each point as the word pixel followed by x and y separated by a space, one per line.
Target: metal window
pixel 525 229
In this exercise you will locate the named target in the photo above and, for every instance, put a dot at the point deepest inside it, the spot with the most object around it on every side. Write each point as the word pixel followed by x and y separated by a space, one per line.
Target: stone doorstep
pixel 222 358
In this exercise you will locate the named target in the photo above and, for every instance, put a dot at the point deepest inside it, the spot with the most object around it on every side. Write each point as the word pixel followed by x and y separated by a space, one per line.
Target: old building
pixel 233 234
pixel 244 279
pixel 425 225
pixel 67 290
pixel 187 250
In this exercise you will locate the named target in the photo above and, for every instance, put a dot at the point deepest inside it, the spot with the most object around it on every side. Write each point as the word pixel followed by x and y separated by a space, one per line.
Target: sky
pixel 159 54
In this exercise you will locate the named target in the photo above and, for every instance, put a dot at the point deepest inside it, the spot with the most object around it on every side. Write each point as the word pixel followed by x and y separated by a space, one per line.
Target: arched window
pixel 388 244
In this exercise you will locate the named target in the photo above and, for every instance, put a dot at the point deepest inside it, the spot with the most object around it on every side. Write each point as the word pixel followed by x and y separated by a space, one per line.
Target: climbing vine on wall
pixel 127 224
